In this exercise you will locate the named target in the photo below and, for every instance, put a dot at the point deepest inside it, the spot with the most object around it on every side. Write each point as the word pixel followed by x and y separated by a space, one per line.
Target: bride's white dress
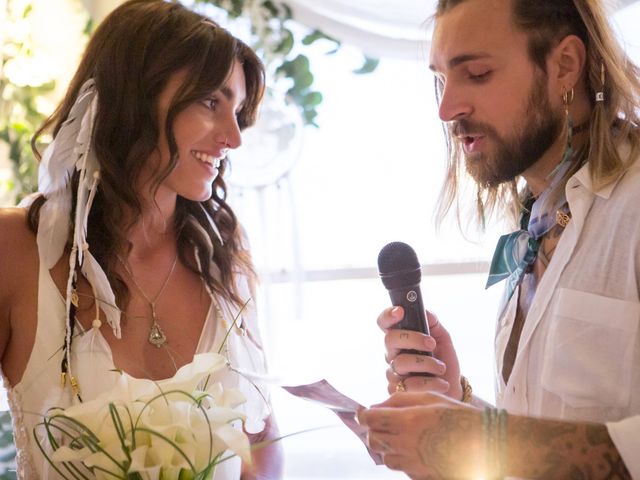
pixel 40 389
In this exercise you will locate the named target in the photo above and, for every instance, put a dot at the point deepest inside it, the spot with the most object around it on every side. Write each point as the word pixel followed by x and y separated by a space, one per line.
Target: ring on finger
pixel 401 386
pixel 393 367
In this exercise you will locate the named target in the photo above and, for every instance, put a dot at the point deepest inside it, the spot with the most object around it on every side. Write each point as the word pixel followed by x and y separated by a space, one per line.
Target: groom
pixel 541 106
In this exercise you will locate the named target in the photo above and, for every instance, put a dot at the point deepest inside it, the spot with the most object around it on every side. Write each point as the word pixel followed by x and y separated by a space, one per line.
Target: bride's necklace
pixel 156 335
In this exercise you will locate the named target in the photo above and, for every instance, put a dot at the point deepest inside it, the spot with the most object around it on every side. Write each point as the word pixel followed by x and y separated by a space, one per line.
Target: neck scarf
pixel 517 251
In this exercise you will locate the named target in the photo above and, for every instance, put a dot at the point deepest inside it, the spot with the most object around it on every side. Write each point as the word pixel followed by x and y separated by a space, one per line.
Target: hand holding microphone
pixel 417 344
pixel 400 273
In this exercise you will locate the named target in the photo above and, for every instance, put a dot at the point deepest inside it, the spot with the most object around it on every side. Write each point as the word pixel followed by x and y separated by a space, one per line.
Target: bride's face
pixel 204 132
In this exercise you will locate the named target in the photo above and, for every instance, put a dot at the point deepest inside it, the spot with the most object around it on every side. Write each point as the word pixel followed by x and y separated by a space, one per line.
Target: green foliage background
pixel 281 46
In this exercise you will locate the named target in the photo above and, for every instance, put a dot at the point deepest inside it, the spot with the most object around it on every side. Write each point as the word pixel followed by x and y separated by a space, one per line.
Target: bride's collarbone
pixel 180 316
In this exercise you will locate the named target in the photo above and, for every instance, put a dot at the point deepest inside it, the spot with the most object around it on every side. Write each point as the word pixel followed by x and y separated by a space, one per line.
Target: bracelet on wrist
pixel 467 391
pixel 494 426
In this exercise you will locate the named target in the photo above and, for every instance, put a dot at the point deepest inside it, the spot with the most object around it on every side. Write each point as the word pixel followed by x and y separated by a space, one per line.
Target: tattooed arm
pixel 540 448
pixel 429 436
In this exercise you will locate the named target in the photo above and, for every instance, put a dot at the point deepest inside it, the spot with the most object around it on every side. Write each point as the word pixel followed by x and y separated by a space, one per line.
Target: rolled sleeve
pixel 625 435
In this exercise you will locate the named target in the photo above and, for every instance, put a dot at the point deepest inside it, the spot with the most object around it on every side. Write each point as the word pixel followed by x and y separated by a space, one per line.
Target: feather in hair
pixel 87 187
pixel 87 164
pixel 213 224
pixel 53 227
pixel 60 157
pixel 57 165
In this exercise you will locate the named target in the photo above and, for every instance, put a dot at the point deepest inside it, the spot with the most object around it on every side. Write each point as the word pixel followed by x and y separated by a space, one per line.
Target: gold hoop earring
pixel 567 97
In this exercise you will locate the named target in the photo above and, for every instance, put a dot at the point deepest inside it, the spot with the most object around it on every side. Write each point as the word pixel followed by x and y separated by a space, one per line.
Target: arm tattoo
pixel 541 449
pixel 444 449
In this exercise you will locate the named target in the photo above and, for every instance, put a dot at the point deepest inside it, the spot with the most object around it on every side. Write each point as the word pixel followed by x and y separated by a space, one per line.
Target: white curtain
pixel 380 28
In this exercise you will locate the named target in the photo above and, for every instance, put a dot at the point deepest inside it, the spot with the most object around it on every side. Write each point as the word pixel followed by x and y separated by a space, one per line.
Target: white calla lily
pixel 173 429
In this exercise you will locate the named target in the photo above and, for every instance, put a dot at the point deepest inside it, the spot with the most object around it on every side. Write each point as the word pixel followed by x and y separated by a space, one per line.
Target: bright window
pixel 369 175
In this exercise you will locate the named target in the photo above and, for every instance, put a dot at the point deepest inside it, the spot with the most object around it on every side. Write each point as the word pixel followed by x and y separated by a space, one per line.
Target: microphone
pixel 400 273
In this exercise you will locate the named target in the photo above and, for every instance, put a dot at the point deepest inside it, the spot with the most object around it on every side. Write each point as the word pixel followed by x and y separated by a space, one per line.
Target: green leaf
pixel 309 117
pixel 185 474
pixel 313 98
pixel 303 80
pixel 269 6
pixel 236 8
pixel 370 64
pixel 20 128
pixel 286 68
pixel 301 63
pixel 88 27
pixel 286 44
pixel 288 15
pixel 27 10
pixel 316 35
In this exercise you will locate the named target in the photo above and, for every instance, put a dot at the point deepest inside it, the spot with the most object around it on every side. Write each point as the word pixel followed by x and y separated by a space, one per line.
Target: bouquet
pixel 176 429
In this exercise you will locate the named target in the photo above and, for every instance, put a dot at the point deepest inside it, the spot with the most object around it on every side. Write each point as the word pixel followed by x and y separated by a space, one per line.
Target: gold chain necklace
pixel 156 335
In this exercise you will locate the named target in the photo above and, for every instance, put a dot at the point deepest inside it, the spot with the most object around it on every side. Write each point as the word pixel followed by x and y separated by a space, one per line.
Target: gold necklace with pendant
pixel 156 335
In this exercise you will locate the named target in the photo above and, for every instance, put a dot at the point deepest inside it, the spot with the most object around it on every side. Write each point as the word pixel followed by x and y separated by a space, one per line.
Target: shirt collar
pixel 583 177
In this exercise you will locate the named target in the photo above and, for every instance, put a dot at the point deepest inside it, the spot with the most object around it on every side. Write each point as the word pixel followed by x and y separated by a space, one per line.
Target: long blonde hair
pixel 613 121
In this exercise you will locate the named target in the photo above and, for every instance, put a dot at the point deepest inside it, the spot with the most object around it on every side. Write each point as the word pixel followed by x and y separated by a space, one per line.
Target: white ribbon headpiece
pixel 71 150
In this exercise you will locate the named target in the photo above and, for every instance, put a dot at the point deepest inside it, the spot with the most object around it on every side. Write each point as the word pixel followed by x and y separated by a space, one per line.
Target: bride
pixel 129 258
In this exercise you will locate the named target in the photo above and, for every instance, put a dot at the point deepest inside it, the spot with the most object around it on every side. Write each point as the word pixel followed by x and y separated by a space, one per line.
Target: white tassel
pixel 95 324
pixel 206 285
pixel 213 224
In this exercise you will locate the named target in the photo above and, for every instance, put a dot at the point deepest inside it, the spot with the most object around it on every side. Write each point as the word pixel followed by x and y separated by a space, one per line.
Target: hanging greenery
pixel 27 82
pixel 281 43
pixel 28 79
pixel 19 112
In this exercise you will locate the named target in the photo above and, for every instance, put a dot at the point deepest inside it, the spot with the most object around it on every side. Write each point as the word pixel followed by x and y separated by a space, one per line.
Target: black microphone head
pixel 398 266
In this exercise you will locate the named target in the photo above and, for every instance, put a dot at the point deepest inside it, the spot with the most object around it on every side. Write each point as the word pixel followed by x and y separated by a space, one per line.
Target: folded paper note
pixel 325 394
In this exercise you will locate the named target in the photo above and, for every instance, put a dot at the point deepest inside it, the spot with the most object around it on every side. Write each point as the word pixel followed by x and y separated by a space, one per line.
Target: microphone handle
pixel 410 299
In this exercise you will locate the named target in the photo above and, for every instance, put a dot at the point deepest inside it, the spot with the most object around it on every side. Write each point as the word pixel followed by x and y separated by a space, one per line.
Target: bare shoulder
pixel 18 291
pixel 17 245
pixel 14 230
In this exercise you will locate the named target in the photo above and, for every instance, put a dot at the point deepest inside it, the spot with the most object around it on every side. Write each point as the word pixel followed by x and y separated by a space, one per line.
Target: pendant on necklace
pixel 156 335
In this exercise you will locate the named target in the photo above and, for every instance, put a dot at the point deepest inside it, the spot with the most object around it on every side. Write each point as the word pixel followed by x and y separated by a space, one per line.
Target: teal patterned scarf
pixel 516 252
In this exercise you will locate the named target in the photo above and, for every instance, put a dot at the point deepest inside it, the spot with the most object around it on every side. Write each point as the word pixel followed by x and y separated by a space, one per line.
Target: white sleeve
pixel 626 437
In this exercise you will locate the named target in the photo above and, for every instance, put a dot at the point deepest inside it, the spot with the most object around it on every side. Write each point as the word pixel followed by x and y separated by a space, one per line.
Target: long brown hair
pixel 612 122
pixel 131 57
